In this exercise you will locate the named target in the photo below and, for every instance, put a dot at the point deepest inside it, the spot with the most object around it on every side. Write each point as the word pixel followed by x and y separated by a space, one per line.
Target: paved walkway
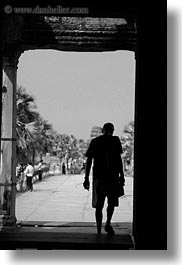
pixel 62 198
pixel 58 215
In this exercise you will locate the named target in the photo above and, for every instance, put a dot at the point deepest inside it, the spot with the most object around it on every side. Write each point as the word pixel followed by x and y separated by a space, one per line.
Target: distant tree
pixel 45 140
pixel 32 129
pixel 82 147
pixel 70 149
pixel 127 141
pixel 96 131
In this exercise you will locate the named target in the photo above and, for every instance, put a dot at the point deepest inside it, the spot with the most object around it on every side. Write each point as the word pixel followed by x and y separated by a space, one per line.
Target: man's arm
pixel 86 183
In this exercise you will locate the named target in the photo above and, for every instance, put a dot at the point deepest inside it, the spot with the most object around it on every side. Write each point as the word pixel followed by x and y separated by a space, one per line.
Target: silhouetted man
pixel 105 151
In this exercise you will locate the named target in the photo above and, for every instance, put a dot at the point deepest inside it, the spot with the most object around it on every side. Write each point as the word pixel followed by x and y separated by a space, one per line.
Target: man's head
pixel 108 128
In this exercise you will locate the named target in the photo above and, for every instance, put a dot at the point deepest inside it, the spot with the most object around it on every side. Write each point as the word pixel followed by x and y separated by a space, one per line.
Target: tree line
pixel 36 136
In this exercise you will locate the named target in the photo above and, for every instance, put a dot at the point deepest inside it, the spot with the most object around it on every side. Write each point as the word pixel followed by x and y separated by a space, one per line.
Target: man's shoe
pixel 109 230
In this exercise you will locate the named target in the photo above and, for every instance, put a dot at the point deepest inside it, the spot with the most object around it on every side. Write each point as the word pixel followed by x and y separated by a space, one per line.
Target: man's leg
pixel 31 184
pixel 28 183
pixel 98 217
pixel 108 227
pixel 110 211
pixel 98 213
pixel 98 198
pixel 40 175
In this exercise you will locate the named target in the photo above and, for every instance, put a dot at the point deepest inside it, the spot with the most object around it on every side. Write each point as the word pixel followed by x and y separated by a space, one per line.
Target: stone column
pixel 8 143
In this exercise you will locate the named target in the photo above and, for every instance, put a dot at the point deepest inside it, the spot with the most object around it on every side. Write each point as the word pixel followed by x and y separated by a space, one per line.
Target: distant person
pixel 40 170
pixel 18 170
pixel 29 171
pixel 22 177
pixel 105 151
pixel 18 184
pixel 71 169
pixel 54 168
pixel 63 169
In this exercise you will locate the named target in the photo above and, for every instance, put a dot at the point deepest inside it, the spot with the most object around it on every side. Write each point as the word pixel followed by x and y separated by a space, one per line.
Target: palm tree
pixel 25 106
pixel 26 126
pixel 44 137
pixel 32 130
pixel 27 142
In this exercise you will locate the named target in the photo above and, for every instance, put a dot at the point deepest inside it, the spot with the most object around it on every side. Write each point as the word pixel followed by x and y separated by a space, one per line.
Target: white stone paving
pixel 62 198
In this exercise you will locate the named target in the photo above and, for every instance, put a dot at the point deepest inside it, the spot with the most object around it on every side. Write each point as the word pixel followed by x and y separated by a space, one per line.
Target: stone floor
pixel 58 215
pixel 62 198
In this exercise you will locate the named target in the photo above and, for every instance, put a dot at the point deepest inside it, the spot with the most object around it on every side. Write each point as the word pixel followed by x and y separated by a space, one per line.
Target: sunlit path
pixel 62 198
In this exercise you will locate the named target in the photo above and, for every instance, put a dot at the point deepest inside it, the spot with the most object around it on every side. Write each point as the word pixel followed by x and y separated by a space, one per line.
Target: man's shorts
pixel 101 190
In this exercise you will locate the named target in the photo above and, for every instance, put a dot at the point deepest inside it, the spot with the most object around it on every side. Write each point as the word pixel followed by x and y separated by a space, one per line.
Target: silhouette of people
pixel 105 152
pixel 29 171
pixel 40 170
pixel 63 169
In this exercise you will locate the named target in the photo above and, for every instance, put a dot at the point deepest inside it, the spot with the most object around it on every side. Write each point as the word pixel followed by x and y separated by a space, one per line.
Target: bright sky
pixel 75 91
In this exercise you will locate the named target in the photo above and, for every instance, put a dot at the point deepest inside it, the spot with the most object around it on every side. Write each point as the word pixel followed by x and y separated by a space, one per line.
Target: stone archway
pixel 61 33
